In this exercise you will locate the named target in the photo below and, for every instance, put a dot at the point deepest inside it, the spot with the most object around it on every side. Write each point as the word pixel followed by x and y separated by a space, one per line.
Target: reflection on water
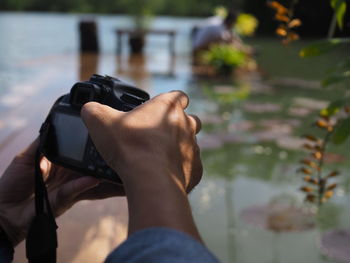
pixel 250 139
pixel 135 66
pixel 88 65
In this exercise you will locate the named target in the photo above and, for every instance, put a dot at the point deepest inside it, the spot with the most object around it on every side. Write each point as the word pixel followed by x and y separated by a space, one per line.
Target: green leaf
pixel 224 56
pixel 341 66
pixel 333 107
pixel 342 132
pixel 335 78
pixel 321 47
pixel 339 7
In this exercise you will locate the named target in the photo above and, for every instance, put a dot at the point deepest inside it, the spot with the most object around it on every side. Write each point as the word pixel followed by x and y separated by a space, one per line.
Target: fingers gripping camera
pixel 64 138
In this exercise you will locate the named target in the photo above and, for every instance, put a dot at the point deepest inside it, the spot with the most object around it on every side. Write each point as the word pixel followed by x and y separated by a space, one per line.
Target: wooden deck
pixel 91 229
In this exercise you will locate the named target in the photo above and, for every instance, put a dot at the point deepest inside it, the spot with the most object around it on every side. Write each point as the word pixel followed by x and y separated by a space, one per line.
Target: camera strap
pixel 41 241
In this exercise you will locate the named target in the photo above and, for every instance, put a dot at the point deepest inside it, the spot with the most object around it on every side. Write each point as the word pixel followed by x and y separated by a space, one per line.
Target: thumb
pixel 66 196
pixel 96 115
pixel 100 122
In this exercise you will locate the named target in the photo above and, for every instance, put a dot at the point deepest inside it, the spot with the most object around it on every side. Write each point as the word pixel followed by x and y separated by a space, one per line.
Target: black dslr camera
pixel 64 137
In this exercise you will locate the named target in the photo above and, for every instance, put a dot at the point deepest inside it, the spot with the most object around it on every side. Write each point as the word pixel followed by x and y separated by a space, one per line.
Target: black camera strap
pixel 41 242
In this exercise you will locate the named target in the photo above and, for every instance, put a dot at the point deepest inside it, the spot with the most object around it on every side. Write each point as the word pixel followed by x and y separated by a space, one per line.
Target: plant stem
pixel 291 9
pixel 332 26
pixel 321 182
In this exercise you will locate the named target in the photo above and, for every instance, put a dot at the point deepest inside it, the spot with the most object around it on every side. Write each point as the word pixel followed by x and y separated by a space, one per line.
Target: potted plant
pixel 224 58
pixel 141 12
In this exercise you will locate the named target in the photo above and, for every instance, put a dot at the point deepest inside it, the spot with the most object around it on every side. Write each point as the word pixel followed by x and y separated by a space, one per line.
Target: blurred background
pixel 255 107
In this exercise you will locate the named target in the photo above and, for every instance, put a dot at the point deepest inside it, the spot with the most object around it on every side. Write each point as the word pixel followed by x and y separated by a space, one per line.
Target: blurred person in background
pixel 215 31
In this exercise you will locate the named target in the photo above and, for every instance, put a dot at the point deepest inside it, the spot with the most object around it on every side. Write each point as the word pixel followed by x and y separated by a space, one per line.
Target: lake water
pixel 247 207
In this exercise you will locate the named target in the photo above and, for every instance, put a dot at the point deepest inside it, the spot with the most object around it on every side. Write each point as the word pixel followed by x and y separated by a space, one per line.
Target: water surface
pixel 250 140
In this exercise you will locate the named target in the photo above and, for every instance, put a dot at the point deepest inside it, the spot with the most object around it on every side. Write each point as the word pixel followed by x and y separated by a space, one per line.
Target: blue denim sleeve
pixel 6 254
pixel 157 245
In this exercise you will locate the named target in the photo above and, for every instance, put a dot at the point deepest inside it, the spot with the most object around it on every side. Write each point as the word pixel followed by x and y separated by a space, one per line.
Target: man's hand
pixel 65 188
pixel 153 149
pixel 157 136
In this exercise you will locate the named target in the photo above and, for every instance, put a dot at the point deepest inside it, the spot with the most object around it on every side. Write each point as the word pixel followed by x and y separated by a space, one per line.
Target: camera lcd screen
pixel 71 136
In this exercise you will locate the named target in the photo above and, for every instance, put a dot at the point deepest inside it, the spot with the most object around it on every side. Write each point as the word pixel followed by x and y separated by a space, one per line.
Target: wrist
pixel 159 201
pixel 151 172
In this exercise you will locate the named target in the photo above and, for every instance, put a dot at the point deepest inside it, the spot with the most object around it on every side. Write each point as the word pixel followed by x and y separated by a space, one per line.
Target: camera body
pixel 64 137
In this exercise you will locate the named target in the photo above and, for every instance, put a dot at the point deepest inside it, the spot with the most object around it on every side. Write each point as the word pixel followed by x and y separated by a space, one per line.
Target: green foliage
pixel 339 7
pixel 333 108
pixel 141 7
pixel 239 92
pixel 220 11
pixel 322 47
pixel 169 7
pixel 224 57
pixel 342 65
pixel 339 73
pixel 336 78
pixel 246 24
pixel 342 132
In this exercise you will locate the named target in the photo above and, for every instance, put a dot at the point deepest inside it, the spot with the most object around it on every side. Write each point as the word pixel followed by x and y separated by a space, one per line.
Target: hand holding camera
pixel 157 134
pixel 64 137
pixel 65 188
pixel 147 143
pixel 153 149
